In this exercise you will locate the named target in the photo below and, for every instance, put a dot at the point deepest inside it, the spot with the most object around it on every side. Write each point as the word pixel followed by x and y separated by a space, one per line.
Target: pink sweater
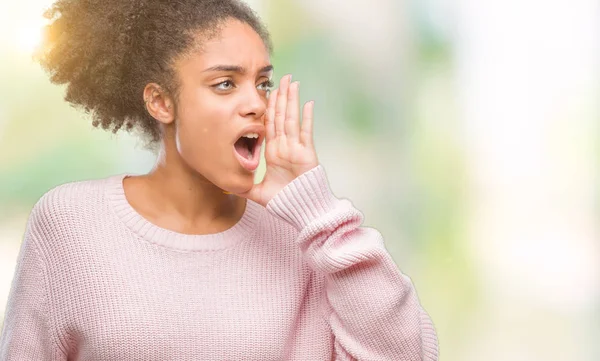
pixel 297 280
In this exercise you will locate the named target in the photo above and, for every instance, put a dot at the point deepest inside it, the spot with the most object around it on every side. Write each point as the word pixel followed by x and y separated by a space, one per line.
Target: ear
pixel 159 104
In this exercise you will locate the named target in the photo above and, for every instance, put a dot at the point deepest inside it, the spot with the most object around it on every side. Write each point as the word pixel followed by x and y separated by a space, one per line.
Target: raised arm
pixel 372 308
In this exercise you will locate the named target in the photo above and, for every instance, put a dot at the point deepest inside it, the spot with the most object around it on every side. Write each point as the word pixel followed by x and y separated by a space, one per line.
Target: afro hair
pixel 107 51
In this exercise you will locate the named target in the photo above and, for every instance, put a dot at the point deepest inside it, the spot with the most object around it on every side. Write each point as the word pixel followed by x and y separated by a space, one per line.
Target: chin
pixel 244 182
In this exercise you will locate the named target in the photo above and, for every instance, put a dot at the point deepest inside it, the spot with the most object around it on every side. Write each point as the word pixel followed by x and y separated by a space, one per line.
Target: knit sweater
pixel 299 279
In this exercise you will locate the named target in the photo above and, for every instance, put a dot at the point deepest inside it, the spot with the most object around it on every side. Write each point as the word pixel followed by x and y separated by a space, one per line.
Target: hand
pixel 289 150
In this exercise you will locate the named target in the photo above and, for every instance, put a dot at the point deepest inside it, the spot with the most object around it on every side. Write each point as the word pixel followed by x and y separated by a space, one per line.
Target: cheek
pixel 203 132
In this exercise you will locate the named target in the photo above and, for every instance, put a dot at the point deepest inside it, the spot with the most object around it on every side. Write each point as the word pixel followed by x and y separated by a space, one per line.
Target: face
pixel 223 90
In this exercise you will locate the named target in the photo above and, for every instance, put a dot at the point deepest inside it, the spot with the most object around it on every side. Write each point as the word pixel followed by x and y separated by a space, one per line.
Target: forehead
pixel 236 44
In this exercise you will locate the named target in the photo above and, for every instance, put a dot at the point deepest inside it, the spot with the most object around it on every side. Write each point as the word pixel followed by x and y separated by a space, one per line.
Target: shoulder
pixel 69 202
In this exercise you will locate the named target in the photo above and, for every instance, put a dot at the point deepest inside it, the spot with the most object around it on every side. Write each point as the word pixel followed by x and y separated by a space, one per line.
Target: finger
pixel 281 105
pixel 306 134
pixel 292 121
pixel 270 116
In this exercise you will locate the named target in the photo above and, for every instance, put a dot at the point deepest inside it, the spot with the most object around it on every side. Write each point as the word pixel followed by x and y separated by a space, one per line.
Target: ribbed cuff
pixel 306 198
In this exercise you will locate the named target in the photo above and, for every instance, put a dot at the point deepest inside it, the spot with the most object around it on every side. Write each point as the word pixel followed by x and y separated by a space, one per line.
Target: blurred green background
pixel 466 132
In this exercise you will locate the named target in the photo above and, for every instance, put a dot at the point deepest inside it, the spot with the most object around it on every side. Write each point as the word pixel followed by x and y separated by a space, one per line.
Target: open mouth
pixel 245 147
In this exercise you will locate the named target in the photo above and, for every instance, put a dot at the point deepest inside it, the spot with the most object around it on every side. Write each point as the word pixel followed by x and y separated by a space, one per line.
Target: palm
pixel 284 161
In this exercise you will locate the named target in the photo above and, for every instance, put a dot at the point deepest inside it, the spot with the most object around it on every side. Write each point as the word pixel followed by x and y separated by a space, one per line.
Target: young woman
pixel 193 261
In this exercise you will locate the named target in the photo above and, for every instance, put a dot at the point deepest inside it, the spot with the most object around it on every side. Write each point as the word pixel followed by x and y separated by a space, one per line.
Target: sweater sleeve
pixel 372 308
pixel 27 332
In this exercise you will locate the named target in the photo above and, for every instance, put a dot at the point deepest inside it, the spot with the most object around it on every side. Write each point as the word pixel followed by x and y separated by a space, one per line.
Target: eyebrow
pixel 236 69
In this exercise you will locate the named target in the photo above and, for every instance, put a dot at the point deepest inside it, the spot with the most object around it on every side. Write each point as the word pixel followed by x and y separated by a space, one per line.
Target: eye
pixel 267 85
pixel 226 82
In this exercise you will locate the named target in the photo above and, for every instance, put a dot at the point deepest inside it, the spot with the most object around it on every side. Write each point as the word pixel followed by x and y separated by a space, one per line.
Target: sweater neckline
pixel 243 230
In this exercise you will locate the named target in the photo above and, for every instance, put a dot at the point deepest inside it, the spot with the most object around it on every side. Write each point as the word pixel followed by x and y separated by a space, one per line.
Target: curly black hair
pixel 107 51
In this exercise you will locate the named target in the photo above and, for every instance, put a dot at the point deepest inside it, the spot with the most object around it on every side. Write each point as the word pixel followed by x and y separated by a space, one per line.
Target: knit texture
pixel 297 280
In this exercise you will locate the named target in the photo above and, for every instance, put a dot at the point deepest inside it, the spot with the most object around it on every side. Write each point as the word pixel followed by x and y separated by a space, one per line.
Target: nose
pixel 254 104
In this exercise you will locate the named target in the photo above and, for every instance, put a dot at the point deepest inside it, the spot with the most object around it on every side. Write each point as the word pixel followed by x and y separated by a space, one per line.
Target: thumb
pixel 254 194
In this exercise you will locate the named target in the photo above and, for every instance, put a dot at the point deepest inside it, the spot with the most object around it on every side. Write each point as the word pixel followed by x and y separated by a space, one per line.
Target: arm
pixel 27 332
pixel 372 308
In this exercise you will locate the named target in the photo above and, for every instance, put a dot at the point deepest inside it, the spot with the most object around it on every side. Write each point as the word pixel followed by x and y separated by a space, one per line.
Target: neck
pixel 180 192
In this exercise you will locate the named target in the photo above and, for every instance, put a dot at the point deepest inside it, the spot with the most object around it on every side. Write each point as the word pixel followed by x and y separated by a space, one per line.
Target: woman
pixel 193 261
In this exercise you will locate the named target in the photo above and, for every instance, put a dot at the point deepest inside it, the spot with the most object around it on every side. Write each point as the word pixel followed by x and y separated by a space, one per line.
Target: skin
pixel 184 191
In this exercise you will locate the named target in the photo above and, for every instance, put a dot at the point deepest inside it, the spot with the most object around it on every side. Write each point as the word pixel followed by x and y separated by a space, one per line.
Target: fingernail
pixel 290 80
